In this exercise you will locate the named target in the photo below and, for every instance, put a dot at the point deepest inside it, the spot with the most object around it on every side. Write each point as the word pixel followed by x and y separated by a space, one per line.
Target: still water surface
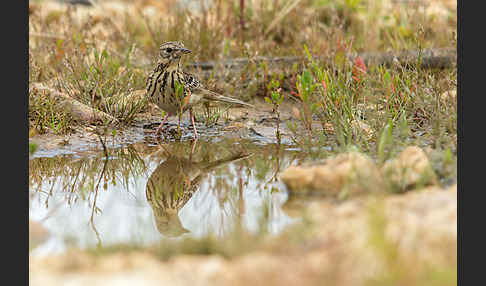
pixel 143 193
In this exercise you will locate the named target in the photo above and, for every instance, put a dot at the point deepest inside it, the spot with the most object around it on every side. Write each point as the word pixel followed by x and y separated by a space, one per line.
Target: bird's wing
pixel 195 86
pixel 192 82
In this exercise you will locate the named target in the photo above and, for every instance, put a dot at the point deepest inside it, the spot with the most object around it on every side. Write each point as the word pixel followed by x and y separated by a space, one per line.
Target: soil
pixel 258 124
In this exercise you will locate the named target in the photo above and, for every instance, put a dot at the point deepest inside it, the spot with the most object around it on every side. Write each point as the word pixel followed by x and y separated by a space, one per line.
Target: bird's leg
pixel 161 126
pixel 179 118
pixel 193 149
pixel 193 124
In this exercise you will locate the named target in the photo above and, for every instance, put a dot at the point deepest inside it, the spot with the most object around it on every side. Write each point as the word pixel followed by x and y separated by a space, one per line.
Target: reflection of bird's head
pixel 169 224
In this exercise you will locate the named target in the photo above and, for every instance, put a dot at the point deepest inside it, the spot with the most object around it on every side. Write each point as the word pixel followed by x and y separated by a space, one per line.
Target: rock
pixel 347 173
pixel 411 168
pixel 449 95
pixel 235 126
pixel 295 206
pixel 237 114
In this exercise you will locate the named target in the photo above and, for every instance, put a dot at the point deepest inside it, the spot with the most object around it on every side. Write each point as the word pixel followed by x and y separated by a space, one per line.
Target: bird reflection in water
pixel 174 182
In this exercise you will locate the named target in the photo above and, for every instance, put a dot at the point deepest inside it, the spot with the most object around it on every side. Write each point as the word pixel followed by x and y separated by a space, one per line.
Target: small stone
pixel 297 178
pixel 449 95
pixel 237 114
pixel 347 173
pixel 234 126
pixel 409 169
pixel 63 142
pixel 90 129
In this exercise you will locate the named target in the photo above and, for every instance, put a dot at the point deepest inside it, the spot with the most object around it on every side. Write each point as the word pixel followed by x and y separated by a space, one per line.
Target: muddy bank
pixel 258 125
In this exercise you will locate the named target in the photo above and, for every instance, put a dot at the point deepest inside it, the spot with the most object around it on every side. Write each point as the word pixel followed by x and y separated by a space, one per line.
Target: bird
pixel 173 183
pixel 163 81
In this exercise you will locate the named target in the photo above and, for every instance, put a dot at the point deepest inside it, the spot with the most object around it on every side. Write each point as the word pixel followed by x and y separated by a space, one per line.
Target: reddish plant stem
pixel 242 20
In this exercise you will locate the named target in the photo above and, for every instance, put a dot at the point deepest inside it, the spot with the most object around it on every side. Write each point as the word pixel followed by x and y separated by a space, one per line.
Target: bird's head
pixel 172 51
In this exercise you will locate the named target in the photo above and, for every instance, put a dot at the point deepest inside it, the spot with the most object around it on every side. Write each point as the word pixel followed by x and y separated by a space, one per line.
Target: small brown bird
pixel 162 84
pixel 172 185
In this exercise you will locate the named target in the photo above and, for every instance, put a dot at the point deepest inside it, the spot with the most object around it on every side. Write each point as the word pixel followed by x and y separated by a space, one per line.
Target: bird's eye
pixel 168 50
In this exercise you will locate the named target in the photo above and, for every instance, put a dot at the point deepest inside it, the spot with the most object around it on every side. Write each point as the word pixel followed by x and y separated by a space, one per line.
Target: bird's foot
pixel 160 129
pixel 162 126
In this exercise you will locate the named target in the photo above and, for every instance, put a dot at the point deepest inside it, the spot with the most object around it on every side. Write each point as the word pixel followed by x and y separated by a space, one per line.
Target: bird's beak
pixel 184 50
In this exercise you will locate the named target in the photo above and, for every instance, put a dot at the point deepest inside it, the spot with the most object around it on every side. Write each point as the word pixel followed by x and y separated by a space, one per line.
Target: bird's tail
pixel 213 96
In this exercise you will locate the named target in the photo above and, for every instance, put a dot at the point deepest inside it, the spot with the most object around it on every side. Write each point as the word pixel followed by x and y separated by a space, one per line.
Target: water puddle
pixel 144 192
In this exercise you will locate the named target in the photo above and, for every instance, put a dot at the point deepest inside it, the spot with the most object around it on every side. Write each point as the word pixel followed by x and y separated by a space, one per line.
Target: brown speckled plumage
pixel 161 85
